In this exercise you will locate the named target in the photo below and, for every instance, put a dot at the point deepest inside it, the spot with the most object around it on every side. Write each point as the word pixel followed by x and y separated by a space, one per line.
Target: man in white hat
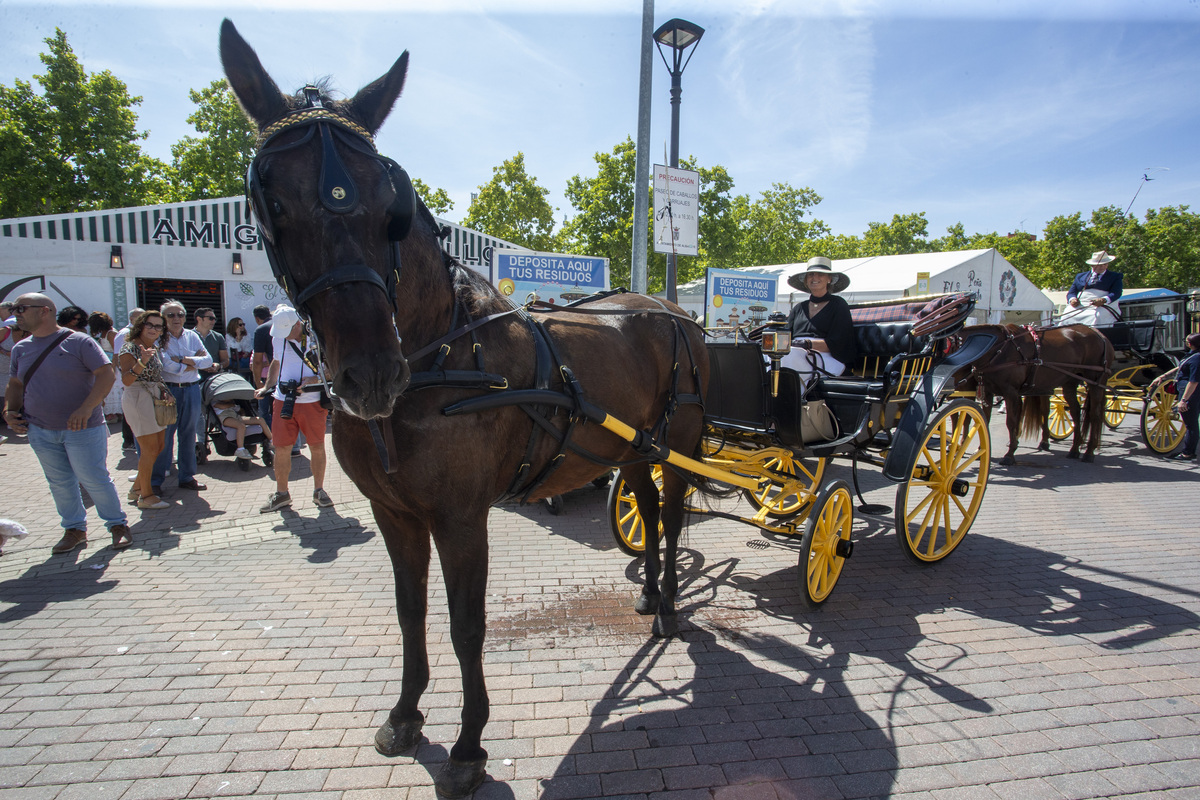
pixel 1105 285
pixel 292 367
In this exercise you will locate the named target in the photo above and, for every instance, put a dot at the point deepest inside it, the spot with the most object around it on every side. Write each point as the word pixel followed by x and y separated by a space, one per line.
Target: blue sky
pixel 999 114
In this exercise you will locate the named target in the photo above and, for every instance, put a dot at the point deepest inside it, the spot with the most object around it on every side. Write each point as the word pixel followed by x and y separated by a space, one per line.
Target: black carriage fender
pixel 906 440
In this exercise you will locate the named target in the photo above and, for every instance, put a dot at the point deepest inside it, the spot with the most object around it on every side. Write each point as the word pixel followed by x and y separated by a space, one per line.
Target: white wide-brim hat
pixel 822 266
pixel 282 320
pixel 1100 257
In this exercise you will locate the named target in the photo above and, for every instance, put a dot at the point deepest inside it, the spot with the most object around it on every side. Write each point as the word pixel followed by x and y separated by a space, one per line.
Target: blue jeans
pixel 1191 422
pixel 72 459
pixel 187 408
pixel 266 405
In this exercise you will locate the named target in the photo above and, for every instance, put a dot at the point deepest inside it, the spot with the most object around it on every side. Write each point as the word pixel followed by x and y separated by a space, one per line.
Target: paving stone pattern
pixel 233 654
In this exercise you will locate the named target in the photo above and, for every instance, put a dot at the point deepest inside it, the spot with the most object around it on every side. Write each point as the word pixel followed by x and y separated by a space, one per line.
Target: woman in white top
pixel 241 345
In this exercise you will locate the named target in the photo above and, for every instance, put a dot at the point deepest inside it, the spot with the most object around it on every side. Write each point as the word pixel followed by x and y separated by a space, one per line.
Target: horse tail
pixel 1033 416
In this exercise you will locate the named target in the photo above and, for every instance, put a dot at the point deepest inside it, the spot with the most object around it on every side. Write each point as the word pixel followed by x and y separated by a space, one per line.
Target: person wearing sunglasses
pixel 183 356
pixel 213 342
pixel 141 374
pixel 57 381
pixel 73 317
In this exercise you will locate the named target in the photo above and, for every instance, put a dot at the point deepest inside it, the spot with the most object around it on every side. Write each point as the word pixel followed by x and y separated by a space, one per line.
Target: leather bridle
pixel 338 194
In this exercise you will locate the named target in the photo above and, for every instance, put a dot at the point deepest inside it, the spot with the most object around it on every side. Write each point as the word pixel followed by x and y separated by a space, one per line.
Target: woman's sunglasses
pixel 154 326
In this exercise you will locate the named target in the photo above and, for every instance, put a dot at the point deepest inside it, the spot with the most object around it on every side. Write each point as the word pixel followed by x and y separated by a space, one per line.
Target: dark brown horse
pixel 1025 367
pixel 400 331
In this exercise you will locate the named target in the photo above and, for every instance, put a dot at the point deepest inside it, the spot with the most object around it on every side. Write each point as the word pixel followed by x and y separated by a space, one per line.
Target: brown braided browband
pixel 309 115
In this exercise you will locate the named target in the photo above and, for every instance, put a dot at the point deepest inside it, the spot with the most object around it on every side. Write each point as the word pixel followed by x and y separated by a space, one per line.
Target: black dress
pixel 832 323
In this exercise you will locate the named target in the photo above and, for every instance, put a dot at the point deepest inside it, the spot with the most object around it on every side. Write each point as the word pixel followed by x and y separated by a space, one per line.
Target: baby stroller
pixel 224 387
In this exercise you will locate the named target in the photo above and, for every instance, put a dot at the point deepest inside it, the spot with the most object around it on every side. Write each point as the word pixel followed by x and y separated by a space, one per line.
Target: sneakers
pixel 72 538
pixel 321 498
pixel 243 453
pixel 277 501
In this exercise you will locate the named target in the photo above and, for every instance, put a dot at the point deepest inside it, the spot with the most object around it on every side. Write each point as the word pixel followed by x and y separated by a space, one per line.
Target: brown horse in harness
pixel 1027 364
pixel 441 384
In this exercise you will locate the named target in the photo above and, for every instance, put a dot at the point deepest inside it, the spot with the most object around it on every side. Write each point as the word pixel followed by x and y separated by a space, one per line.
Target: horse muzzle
pixel 369 385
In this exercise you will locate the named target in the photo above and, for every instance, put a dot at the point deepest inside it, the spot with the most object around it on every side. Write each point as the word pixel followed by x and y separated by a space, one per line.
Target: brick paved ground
pixel 231 654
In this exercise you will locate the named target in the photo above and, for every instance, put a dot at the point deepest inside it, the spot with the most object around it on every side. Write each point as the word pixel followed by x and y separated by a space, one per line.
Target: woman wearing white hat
pixel 822 329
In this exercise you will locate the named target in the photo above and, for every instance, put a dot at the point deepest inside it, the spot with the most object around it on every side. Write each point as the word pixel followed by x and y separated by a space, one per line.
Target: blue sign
pixel 559 278
pixel 735 300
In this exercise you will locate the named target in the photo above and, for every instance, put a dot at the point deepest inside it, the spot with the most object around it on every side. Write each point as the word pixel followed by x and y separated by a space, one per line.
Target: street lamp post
pixel 679 35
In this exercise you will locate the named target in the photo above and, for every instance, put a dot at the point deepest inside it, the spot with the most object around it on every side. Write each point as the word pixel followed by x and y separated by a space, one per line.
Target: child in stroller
pixel 230 423
pixel 230 416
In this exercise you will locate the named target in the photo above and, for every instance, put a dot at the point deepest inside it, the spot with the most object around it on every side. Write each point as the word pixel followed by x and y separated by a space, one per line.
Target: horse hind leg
pixel 1093 412
pixel 637 478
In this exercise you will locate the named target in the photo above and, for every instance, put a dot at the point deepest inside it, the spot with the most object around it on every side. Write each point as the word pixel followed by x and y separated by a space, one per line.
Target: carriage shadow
pixel 788 707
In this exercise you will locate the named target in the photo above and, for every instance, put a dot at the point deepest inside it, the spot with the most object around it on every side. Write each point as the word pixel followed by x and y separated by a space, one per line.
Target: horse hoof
pixel 1089 458
pixel 665 626
pixel 1045 447
pixel 392 740
pixel 460 778
pixel 647 604
pixel 1007 461
pixel 1073 454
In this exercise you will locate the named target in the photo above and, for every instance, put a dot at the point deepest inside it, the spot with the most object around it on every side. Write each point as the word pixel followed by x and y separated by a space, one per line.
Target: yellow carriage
pixel 897 410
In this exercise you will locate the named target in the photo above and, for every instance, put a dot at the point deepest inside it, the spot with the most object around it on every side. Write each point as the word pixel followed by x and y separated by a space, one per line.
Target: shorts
pixel 228 413
pixel 307 418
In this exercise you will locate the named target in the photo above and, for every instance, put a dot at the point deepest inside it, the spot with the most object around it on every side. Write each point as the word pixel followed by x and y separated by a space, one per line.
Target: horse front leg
pixel 1012 420
pixel 1071 395
pixel 407 542
pixel 674 491
pixel 637 478
pixel 463 550
pixel 1093 412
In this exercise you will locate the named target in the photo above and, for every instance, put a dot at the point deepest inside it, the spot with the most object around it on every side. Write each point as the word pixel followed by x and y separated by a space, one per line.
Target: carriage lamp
pixel 115 261
pixel 237 263
pixel 776 343
pixel 678 35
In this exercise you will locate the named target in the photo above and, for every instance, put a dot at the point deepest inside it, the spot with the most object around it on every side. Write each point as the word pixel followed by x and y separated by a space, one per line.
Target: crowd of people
pixel 71 374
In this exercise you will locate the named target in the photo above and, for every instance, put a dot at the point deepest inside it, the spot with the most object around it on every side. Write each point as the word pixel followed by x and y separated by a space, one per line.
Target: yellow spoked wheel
pixel 1162 429
pixel 1115 409
pixel 826 544
pixel 938 503
pixel 793 485
pixel 627 527
pixel 1059 422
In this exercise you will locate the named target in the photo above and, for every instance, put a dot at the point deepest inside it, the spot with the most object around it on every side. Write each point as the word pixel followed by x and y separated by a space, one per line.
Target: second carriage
pixel 1149 342
pixel 896 410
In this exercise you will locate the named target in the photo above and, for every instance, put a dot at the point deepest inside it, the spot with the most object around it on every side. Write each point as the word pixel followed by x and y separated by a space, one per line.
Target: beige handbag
pixel 817 422
pixel 165 412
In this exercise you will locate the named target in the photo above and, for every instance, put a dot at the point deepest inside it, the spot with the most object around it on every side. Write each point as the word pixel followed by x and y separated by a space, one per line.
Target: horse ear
pixel 258 95
pixel 374 102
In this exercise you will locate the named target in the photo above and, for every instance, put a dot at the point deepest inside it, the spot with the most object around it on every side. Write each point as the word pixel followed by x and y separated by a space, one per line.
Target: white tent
pixel 1003 292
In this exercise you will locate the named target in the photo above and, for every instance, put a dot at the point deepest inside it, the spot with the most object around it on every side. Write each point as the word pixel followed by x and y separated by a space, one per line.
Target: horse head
pixel 331 212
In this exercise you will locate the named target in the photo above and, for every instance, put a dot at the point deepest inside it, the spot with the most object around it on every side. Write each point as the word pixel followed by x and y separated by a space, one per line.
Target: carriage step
pixel 874 509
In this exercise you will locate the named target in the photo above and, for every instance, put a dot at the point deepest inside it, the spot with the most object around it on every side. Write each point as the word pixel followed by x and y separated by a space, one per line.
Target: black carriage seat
pixel 877 344
pixel 1135 336
pixel 737 386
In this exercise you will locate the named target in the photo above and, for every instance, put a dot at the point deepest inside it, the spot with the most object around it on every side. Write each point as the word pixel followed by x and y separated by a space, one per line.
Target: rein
pixel 1034 333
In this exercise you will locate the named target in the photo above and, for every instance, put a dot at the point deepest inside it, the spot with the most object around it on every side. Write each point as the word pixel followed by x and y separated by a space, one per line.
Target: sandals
pixel 134 495
pixel 153 501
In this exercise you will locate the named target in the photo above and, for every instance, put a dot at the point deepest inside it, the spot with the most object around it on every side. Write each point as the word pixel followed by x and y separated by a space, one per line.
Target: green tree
pixel 436 200
pixel 78 144
pixel 1171 256
pixel 214 163
pixel 774 229
pixel 719 235
pixel 513 206
pixel 1067 243
pixel 603 222
pixel 906 233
